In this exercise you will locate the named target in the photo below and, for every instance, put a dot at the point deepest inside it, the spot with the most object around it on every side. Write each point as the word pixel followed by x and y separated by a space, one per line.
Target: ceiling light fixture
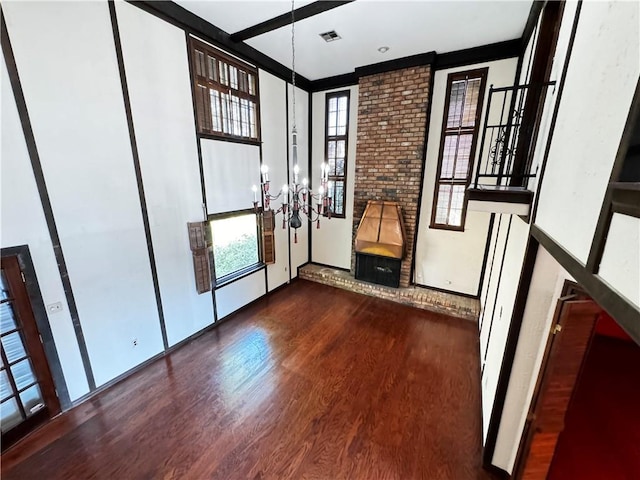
pixel 383 49
pixel 296 197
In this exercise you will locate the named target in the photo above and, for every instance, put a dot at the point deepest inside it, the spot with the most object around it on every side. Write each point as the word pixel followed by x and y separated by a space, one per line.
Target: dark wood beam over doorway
pixel 285 19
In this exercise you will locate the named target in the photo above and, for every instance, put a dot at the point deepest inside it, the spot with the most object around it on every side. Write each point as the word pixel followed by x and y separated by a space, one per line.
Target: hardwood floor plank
pixel 311 382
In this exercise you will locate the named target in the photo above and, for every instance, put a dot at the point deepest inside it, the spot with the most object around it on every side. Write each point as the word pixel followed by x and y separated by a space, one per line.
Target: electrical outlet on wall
pixel 54 307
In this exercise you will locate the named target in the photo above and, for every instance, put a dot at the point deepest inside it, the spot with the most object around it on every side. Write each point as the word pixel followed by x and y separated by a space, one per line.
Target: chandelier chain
pixel 293 59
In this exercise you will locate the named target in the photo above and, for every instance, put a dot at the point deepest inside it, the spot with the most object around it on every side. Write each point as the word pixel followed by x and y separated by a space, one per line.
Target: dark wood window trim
pixel 459 130
pixel 333 176
pixel 226 94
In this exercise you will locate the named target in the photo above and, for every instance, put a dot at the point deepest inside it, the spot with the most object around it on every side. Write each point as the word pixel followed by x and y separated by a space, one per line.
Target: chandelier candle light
pixel 296 197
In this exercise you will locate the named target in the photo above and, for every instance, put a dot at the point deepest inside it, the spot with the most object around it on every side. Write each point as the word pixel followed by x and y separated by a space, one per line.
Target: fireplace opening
pixel 380 244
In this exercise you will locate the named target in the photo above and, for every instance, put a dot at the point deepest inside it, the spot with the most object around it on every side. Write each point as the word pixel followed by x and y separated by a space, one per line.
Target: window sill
pixel 226 138
pixel 240 274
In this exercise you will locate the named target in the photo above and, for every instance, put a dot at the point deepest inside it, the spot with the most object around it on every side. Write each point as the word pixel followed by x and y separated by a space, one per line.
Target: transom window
pixel 226 93
pixel 465 92
pixel 336 148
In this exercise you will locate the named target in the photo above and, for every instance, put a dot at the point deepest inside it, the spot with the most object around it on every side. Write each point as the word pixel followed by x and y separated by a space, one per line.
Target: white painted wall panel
pixel 237 294
pixel 164 125
pixel 492 277
pixel 299 248
pixel 332 243
pixel 592 114
pixel 620 266
pixel 448 259
pixel 273 114
pixel 508 286
pixel 22 222
pixel 546 286
pixel 75 101
pixel 230 170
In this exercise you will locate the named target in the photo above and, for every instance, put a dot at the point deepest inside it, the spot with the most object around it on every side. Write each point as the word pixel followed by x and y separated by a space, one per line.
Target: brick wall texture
pixel 392 112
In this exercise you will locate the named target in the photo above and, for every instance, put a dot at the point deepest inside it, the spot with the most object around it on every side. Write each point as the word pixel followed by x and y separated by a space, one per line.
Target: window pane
pixel 252 120
pixel 5 386
pixel 471 102
pixel 252 85
pixel 449 156
pixel 200 67
pixel 212 72
pixel 13 347
pixel 4 286
pixel 338 201
pixel 456 100
pixel 216 113
pixel 7 318
pixel 223 72
pixel 31 400
pixel 462 157
pixel 340 155
pixel 233 77
pixel 457 202
pixel 9 415
pixel 442 204
pixel 23 374
pixel 235 243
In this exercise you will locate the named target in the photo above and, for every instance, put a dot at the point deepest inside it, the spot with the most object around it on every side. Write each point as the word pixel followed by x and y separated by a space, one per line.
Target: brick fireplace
pixel 392 113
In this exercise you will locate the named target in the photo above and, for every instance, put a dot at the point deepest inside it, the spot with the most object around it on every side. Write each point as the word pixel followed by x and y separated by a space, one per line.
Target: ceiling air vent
pixel 330 36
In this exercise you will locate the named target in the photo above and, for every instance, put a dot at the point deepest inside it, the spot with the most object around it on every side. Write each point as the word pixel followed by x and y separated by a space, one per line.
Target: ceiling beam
pixel 285 19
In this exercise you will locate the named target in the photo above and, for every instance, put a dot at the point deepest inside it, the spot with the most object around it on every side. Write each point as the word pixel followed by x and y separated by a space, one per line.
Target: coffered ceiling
pixel 405 27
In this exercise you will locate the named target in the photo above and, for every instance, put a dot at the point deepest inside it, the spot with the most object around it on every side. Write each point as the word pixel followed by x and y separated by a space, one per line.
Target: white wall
pixel 546 285
pixel 168 158
pixel 299 249
pixel 620 265
pixel 230 170
pixel 508 270
pixel 273 112
pixel 75 102
pixel 602 76
pixel 332 242
pixel 22 222
pixel 238 294
pixel 448 259
pixel 76 105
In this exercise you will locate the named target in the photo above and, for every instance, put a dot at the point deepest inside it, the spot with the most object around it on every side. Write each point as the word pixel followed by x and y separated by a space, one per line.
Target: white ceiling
pixel 406 27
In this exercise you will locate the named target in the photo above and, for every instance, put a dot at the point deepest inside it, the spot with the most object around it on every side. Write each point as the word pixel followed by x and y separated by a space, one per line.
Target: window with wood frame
pixel 465 92
pixel 336 148
pixel 236 246
pixel 226 94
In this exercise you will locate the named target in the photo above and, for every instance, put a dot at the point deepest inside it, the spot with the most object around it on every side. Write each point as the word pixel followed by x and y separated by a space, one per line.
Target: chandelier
pixel 296 197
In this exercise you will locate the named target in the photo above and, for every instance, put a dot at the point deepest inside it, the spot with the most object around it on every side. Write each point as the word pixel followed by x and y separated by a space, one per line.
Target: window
pixel 336 147
pixel 226 93
pixel 235 243
pixel 465 92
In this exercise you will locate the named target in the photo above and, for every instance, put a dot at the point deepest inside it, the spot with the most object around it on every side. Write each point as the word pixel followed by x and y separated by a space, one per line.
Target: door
pixel 28 396
pixel 569 339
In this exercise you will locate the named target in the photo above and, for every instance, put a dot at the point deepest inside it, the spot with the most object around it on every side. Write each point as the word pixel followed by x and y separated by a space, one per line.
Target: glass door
pixel 27 394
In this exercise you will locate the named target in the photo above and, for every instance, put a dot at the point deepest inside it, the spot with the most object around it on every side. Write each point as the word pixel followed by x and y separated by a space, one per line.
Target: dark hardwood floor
pixel 312 382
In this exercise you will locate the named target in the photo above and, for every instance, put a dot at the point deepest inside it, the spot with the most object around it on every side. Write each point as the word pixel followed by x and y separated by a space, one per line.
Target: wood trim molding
pixel 483 53
pixel 532 21
pixel 624 201
pixel 625 198
pixel 301 13
pixel 622 310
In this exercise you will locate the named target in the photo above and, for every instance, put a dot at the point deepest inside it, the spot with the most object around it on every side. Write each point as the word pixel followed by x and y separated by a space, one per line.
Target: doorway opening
pixel 584 420
pixel 28 395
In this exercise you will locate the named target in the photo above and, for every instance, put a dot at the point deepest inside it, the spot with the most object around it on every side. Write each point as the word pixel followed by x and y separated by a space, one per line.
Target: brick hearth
pixel 419 297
